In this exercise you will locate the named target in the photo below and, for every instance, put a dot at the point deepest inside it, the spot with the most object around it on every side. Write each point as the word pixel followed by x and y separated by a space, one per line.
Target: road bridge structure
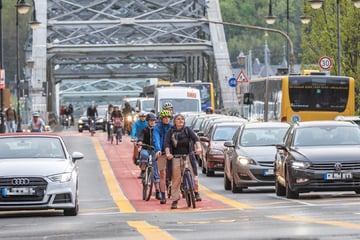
pixel 87 50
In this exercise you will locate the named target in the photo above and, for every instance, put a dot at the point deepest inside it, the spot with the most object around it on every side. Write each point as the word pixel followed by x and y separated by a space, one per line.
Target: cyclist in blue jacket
pixel 158 136
pixel 146 137
pixel 137 127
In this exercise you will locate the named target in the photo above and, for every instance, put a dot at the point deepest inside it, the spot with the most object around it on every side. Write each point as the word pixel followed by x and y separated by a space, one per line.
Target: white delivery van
pixel 183 99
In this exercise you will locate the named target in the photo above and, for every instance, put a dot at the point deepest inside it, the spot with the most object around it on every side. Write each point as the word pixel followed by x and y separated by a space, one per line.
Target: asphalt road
pixel 111 207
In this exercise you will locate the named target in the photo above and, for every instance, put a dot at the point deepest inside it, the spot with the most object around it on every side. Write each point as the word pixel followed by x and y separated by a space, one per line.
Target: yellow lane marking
pixel 223 199
pixel 120 200
pixel 148 231
pixel 319 221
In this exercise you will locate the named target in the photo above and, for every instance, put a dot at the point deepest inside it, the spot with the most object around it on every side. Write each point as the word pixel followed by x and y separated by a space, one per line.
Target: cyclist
pixel 117 118
pixel 159 132
pixel 180 140
pixel 146 138
pixel 108 119
pixel 92 114
pixel 168 106
pixel 36 124
pixel 137 127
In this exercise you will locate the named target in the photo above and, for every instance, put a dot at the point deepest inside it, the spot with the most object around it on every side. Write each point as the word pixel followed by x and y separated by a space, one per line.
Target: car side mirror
pixel 229 144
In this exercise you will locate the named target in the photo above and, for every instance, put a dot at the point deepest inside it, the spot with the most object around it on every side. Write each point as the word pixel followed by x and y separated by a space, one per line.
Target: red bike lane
pixel 126 173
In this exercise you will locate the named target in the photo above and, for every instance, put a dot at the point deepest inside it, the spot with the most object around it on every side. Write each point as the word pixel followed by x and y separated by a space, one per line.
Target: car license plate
pixel 17 191
pixel 268 172
pixel 337 175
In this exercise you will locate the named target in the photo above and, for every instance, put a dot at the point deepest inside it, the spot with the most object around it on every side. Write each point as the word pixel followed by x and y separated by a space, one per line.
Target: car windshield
pixel 148 105
pixel 224 133
pixel 31 147
pixel 328 135
pixel 252 137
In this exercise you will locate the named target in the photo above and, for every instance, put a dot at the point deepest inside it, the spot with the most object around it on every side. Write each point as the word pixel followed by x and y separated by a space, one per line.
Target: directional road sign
pixel 232 82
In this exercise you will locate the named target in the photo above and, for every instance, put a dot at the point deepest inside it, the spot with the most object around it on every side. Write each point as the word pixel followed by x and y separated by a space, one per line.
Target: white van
pixel 182 98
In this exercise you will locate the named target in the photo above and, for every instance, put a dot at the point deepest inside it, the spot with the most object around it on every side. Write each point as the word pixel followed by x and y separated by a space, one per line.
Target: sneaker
pixel 158 195
pixel 163 201
pixel 174 205
pixel 197 197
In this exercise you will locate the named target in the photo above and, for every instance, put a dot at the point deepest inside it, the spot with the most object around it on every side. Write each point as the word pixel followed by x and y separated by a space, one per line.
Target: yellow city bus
pixel 206 91
pixel 300 98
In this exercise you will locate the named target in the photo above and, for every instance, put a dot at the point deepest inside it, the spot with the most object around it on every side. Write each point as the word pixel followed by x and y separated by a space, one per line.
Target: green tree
pixel 253 13
pixel 320 38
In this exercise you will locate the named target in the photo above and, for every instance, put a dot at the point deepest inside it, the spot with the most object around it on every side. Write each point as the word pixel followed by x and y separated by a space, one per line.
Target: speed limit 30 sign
pixel 325 63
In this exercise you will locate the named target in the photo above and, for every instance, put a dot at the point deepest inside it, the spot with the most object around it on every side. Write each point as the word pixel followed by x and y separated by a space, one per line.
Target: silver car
pixel 37 172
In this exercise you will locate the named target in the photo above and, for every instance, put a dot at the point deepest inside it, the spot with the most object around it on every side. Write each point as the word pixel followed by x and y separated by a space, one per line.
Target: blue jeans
pixel 11 126
pixel 144 158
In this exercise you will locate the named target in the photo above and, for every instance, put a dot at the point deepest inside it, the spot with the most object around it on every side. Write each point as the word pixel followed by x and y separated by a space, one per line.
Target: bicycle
pixel 115 131
pixel 92 126
pixel 148 180
pixel 187 186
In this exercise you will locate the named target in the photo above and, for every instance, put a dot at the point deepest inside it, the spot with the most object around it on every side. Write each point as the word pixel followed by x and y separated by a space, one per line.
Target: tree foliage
pixel 310 41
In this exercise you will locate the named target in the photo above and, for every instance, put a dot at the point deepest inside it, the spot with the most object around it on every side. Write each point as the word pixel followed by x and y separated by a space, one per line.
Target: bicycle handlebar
pixel 145 145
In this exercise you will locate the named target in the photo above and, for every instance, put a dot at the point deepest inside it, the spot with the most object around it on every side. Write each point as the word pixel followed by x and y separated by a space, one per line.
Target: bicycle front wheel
pixel 148 183
pixel 189 189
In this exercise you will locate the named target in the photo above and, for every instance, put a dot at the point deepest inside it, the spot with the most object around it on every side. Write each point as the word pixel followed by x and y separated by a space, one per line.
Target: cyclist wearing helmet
pixel 146 138
pixel 137 127
pixel 168 106
pixel 158 138
pixel 209 110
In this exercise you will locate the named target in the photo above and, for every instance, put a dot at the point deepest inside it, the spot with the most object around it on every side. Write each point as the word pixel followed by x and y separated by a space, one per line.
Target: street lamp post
pixel 22 8
pixel 316 4
pixel 2 124
pixel 270 19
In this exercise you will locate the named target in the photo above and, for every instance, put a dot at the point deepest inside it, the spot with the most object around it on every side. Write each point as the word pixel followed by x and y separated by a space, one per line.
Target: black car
pixel 318 156
pixel 249 157
pixel 83 122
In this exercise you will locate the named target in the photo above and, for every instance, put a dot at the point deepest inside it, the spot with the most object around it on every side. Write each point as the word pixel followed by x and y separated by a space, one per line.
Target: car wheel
pixel 203 169
pixel 279 189
pixel 210 173
pixel 289 193
pixel 80 130
pixel 227 183
pixel 234 188
pixel 72 211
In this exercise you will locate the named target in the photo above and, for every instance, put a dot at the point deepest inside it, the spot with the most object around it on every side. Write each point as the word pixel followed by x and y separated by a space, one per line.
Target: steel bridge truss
pixel 122 38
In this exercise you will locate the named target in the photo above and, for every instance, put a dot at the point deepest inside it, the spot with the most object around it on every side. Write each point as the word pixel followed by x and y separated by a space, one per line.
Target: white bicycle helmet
pixel 167 105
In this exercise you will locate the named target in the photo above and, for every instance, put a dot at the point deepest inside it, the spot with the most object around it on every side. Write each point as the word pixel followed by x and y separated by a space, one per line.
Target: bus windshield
pixel 318 94
pixel 182 104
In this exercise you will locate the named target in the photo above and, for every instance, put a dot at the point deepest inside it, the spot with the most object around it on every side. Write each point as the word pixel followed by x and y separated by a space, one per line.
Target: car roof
pixel 30 134
pixel 266 124
pixel 323 123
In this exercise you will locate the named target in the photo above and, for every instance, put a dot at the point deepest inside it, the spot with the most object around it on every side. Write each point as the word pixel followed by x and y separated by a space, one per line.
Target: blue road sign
pixel 232 82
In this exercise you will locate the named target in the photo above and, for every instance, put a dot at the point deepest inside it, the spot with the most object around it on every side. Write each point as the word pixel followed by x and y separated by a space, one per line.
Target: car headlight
pixel 245 161
pixel 80 121
pixel 62 177
pixel 100 120
pixel 216 152
pixel 297 164
pixel 129 118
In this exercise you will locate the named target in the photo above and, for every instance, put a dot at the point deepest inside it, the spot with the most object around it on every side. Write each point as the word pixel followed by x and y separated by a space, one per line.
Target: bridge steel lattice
pixel 82 40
